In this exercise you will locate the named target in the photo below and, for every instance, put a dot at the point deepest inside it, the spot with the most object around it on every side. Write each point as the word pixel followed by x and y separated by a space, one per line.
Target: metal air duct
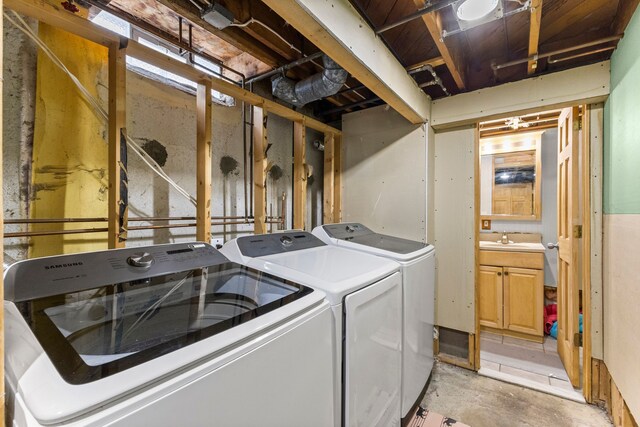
pixel 318 86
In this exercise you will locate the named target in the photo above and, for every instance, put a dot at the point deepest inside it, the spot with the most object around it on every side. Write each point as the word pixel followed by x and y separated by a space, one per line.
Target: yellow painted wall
pixel 69 175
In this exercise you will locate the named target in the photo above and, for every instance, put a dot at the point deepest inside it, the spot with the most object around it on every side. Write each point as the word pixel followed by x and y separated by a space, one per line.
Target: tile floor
pixel 526 363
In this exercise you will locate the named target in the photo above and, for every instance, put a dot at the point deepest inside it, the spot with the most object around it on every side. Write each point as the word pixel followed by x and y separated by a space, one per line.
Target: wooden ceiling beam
pixel 534 34
pixel 452 54
pixel 245 10
pixel 434 62
pixel 336 27
pixel 232 35
pixel 626 8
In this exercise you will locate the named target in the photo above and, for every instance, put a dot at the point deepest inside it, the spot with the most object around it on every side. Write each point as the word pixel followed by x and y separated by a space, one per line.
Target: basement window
pixel 122 27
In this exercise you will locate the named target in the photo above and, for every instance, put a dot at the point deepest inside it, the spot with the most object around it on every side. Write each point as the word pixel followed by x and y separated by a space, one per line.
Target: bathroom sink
pixel 512 246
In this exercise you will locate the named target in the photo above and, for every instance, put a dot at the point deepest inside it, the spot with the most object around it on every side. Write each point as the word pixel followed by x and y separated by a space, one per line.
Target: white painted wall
pixel 454 233
pixel 384 172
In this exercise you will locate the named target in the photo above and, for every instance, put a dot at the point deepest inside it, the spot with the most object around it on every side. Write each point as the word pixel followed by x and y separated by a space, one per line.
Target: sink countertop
pixel 512 247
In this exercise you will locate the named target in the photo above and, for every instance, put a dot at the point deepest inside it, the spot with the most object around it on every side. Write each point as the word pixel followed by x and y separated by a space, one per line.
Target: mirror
pixel 509 182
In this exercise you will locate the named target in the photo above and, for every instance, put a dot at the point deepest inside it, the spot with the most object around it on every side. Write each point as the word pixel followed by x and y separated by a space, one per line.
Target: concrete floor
pixel 480 401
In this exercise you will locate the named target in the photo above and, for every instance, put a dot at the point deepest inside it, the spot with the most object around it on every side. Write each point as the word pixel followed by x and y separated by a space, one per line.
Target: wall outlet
pixel 486 224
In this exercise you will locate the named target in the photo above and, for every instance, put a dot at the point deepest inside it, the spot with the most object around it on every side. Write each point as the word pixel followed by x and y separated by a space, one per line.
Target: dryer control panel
pixel 271 244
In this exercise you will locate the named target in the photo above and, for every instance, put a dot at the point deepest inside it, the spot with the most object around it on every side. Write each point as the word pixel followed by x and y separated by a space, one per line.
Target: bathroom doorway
pixel 534 200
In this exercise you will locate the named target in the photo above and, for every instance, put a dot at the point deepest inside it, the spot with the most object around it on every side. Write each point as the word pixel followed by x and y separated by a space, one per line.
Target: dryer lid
pixel 359 234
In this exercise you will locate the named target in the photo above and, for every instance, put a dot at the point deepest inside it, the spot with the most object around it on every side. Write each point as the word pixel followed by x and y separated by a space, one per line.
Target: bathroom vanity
pixel 511 285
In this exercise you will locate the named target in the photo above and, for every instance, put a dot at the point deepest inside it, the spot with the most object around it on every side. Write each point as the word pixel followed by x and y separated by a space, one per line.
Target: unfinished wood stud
pixel 299 175
pixel 259 170
pixel 203 161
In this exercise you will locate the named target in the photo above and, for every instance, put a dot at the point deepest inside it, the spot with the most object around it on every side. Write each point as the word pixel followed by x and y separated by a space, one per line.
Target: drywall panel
pixel 621 313
pixel 596 131
pixel 622 130
pixel 578 85
pixel 454 228
pixel 621 293
pixel 384 172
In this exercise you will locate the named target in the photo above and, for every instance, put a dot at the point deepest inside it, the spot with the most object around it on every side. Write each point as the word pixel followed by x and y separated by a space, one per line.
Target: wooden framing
pixel 476 243
pixel 585 181
pixel 299 175
pixel 332 27
pixel 117 216
pixel 53 15
pixel 605 393
pixel 453 56
pixel 259 170
pixel 534 34
pixel 337 178
pixel 328 211
pixel 203 162
pixel 237 37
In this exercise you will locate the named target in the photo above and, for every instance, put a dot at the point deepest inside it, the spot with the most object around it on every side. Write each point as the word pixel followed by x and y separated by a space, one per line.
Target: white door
pixel 372 355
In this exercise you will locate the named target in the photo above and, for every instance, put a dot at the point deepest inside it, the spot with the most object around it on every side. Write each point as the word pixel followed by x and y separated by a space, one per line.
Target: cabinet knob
pixel 506 273
pixel 499 273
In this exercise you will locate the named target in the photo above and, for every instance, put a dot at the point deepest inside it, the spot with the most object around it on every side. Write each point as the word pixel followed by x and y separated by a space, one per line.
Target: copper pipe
pixel 556 52
pixel 578 55
pixel 101 219
pixel 134 228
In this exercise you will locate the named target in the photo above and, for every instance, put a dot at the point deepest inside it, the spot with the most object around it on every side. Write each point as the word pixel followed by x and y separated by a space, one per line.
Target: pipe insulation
pixel 325 83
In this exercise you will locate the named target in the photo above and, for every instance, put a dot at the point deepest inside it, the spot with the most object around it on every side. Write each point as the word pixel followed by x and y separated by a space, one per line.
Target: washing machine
pixel 166 335
pixel 365 293
pixel 418 276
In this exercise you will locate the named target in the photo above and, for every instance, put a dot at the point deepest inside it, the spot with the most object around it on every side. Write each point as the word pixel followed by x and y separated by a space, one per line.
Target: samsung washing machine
pixel 168 335
pixel 418 276
pixel 365 293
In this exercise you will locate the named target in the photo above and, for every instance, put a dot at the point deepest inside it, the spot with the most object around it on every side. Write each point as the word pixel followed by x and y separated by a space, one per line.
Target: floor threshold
pixel 575 395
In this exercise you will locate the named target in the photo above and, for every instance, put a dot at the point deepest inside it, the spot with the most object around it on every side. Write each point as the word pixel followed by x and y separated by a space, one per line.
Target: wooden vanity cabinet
pixel 511 299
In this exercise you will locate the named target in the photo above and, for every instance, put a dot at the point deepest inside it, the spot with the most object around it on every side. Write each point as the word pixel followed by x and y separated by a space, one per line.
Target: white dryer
pixel 365 294
pixel 164 335
pixel 418 275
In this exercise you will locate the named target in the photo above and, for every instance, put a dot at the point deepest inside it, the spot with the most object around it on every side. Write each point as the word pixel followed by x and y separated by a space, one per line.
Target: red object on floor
pixel 550 316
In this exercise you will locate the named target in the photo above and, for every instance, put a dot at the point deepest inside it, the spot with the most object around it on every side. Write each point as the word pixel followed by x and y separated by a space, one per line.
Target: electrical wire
pixel 95 104
pixel 256 21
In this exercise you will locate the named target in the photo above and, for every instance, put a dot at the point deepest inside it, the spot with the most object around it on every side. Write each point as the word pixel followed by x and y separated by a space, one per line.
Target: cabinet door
pixel 523 300
pixel 490 296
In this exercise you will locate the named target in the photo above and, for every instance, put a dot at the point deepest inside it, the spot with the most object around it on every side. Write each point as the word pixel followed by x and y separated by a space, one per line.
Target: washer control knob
pixel 350 228
pixel 140 259
pixel 286 241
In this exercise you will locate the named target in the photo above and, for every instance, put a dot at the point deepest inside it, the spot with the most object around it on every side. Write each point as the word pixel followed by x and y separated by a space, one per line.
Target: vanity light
pixel 472 10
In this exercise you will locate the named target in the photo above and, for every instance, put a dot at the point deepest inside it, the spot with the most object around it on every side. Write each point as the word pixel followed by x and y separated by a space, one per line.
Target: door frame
pixel 585 244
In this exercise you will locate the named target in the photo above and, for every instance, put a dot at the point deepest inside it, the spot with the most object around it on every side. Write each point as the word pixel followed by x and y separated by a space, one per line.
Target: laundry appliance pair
pixel 381 290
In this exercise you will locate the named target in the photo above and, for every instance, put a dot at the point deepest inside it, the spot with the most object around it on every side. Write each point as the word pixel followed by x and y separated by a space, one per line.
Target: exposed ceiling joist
pixel 234 36
pixel 534 34
pixel 452 54
pixel 623 15
pixel 337 28
pixel 434 62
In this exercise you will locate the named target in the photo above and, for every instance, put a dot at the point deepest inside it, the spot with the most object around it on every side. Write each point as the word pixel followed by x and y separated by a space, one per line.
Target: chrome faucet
pixel 505 238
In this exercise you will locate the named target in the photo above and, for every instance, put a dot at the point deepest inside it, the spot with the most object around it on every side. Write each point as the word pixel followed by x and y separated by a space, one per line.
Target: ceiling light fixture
pixel 472 10
pixel 516 123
